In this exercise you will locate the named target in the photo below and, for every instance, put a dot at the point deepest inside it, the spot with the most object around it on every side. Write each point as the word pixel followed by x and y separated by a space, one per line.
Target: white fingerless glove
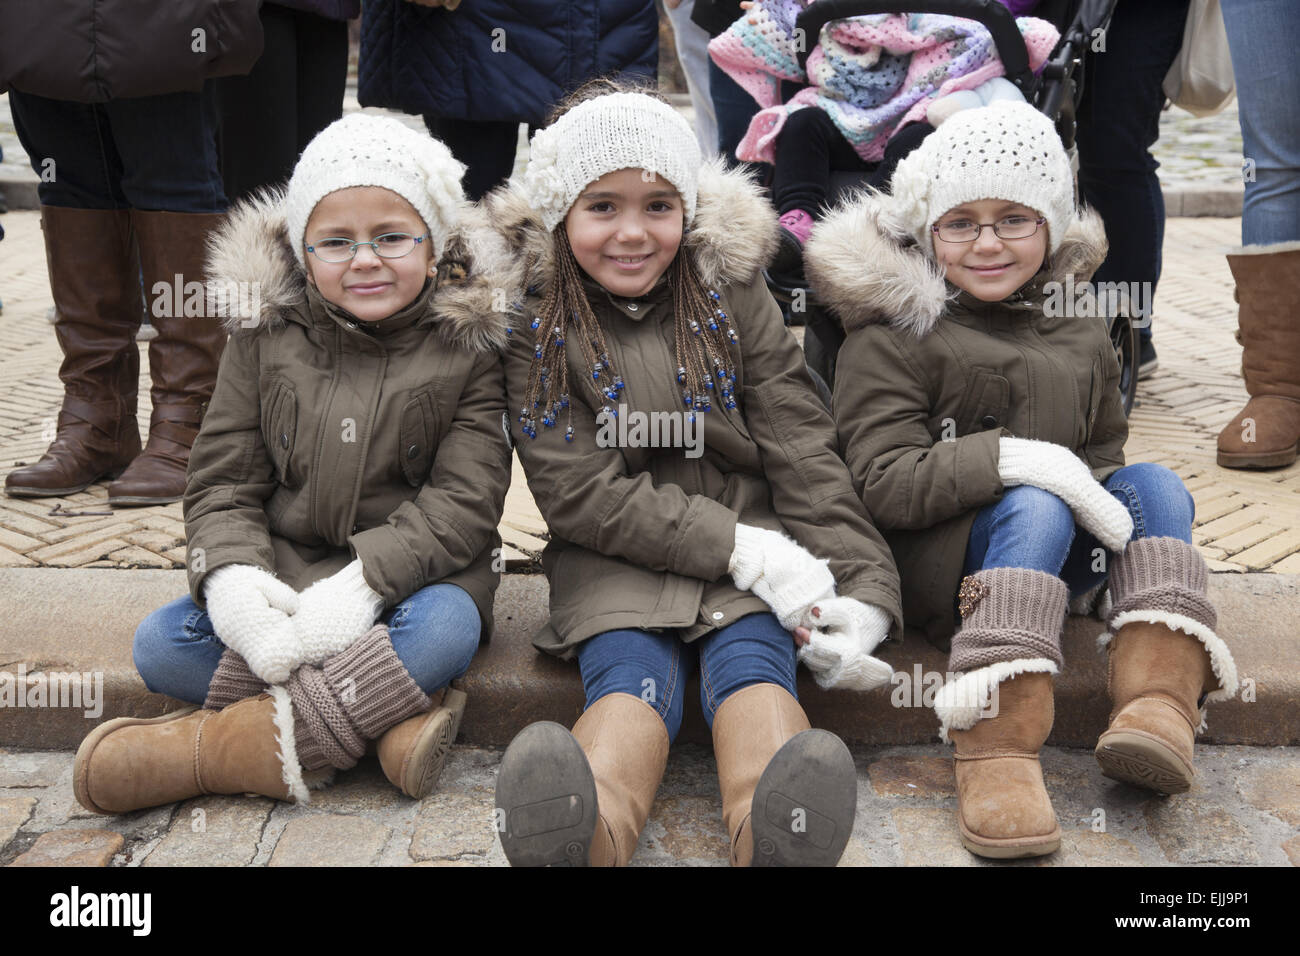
pixel 845 632
pixel 1054 468
pixel 250 611
pixel 787 578
pixel 334 612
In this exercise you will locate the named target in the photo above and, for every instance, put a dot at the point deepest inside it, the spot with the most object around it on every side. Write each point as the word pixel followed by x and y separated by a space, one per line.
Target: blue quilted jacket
pixel 499 60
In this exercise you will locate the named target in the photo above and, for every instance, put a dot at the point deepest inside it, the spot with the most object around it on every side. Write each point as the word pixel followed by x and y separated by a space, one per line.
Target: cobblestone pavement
pixel 1244 811
pixel 1245 521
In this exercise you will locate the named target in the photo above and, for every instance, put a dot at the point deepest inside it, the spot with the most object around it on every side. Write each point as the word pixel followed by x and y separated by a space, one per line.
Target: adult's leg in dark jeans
pixel 734 108
pixel 258 132
pixel 487 148
pixel 1118 121
pixel 322 73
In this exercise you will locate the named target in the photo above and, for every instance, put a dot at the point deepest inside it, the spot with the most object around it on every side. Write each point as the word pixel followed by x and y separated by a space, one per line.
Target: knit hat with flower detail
pixel 603 135
pixel 365 150
pixel 1005 150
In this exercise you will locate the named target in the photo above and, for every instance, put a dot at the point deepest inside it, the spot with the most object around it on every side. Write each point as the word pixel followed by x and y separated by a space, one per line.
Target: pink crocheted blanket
pixel 871 74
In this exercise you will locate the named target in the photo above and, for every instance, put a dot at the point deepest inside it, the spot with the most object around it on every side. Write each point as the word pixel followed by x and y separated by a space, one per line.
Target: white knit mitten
pixel 839 651
pixel 787 578
pixel 250 611
pixel 1054 468
pixel 334 612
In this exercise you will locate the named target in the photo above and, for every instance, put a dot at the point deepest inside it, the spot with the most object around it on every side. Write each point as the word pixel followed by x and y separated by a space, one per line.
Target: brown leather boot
pixel 413 752
pixel 131 763
pixel 183 357
pixel 1003 809
pixel 93 277
pixel 786 789
pixel 581 798
pixel 1266 433
pixel 1157 677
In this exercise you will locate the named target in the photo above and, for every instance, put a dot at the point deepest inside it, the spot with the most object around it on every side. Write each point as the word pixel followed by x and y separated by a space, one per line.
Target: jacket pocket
pixel 985 404
pixel 418 434
pixel 280 429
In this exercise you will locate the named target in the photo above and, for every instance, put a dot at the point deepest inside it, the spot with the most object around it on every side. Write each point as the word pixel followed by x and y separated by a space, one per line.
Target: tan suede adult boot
pixel 788 792
pixel 1165 663
pixel 93 278
pixel 131 763
pixel 413 752
pixel 998 713
pixel 1266 433
pixel 581 798
pixel 183 358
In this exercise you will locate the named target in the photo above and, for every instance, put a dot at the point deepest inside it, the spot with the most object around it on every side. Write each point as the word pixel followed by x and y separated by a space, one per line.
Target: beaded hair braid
pixel 702 335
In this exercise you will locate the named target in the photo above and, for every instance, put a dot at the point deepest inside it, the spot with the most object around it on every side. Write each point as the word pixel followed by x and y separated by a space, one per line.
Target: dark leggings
pixel 810 147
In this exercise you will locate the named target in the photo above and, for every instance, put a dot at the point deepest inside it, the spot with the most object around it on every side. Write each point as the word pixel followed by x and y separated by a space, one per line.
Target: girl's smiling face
pixel 989 268
pixel 368 286
pixel 624 229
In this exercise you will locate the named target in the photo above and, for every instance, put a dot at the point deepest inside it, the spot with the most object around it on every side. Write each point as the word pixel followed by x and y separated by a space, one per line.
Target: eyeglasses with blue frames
pixel 391 245
pixel 1009 227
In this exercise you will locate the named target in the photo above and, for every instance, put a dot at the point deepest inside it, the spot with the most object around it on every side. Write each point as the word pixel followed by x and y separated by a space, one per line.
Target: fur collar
pixel 733 237
pixel 863 265
pixel 255 280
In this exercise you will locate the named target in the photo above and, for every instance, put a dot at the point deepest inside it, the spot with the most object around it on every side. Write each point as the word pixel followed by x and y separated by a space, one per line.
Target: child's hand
pixel 784 575
pixel 250 612
pixel 334 613
pixel 838 650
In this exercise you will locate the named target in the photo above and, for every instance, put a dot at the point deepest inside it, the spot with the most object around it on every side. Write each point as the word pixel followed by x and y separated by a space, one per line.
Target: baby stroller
pixel 1056 93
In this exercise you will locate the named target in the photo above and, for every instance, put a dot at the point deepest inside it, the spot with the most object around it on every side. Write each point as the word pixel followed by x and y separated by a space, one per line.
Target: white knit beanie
pixel 365 150
pixel 1005 150
pixel 603 135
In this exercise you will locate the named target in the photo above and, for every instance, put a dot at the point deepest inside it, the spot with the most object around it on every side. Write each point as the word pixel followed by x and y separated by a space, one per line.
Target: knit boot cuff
pixel 372 685
pixel 1161 574
pixel 325 735
pixel 1008 614
pixel 232 682
pixel 961 702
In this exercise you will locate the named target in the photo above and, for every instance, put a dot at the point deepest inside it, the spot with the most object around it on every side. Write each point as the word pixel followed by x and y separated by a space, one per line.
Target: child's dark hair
pixel 703 331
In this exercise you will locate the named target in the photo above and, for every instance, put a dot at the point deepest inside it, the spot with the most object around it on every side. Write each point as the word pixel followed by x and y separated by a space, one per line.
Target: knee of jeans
pixel 150 649
pixel 1032 507
pixel 1151 482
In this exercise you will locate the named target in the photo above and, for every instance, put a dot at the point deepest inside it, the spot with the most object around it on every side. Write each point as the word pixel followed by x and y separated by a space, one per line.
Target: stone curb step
pixel 63 621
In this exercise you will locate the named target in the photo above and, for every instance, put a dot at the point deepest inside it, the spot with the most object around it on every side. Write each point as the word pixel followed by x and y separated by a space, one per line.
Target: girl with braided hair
pixel 636 271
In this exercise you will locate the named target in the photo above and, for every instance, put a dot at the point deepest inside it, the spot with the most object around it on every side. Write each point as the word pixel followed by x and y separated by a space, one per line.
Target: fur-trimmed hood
pixel 733 236
pixel 255 280
pixel 865 267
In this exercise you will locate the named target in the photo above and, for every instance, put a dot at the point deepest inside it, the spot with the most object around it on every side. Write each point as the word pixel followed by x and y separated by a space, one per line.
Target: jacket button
pixel 988 421
pixel 632 306
pixel 413 452
pixel 352 325
pixel 718 615
pixel 356 528
pixel 284 439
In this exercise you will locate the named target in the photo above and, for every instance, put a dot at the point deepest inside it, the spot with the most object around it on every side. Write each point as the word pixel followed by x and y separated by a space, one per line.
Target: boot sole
pixel 546 799
pixel 128 501
pixel 31 491
pixel 80 766
pixel 1010 849
pixel 1277 459
pixel 805 803
pixel 1143 761
pixel 423 765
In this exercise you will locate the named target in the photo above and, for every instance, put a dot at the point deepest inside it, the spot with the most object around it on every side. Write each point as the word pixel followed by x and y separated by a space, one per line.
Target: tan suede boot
pixel 131 763
pixel 413 752
pixel 1003 810
pixel 1266 433
pixel 786 789
pixel 999 712
pixel 581 798
pixel 1165 663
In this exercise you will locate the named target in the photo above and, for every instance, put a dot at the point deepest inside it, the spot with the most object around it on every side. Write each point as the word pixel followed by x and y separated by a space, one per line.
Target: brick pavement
pixel 1245 521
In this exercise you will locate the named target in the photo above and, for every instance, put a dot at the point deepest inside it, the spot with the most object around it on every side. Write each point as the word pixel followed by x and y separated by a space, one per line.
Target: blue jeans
pixel 1263 36
pixel 1032 528
pixel 654 665
pixel 1118 122
pixel 435 633
pixel 154 153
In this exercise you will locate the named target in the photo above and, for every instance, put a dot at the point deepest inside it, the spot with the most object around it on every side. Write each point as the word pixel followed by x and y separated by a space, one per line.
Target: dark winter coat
pixel 92 51
pixel 508 60
pixel 328 439
pixel 928 380
pixel 641 537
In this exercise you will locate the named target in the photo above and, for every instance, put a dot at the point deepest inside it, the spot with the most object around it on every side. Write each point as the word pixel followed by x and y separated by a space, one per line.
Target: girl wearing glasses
pixel 343 494
pixel 981 418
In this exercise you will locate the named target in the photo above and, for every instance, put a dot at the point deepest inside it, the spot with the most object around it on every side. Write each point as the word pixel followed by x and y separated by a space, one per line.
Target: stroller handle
pixel 1001 24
